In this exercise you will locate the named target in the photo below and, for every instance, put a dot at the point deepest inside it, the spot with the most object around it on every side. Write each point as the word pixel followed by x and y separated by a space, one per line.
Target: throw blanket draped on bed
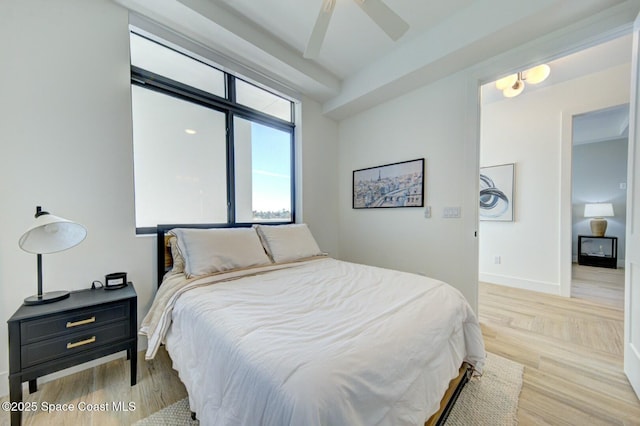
pixel 158 319
pixel 321 342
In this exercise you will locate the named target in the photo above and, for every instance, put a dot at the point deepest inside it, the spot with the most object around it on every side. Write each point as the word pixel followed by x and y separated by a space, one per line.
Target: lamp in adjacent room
pixel 49 234
pixel 512 85
pixel 598 211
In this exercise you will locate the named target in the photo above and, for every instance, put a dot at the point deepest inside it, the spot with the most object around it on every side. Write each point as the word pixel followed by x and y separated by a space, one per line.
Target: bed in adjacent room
pixel 265 329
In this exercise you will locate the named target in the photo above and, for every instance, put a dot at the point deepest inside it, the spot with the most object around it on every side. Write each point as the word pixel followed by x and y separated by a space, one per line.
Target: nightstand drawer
pixel 72 322
pixel 46 350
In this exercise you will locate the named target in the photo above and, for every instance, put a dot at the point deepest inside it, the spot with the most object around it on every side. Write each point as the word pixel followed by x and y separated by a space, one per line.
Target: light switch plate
pixel 451 212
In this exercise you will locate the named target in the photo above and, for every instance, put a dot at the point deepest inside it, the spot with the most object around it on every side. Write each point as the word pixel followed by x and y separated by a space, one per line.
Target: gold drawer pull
pixel 81 322
pixel 80 343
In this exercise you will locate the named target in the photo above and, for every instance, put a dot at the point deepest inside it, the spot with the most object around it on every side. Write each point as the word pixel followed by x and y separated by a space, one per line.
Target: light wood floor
pixel 158 386
pixel 571 350
pixel 601 285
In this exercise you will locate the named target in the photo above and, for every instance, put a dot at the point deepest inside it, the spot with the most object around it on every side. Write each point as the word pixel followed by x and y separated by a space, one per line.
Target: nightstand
pixel 89 324
pixel 598 251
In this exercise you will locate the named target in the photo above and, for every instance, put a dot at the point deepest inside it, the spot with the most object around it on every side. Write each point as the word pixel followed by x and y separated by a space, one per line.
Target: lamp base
pixel 598 227
pixel 50 297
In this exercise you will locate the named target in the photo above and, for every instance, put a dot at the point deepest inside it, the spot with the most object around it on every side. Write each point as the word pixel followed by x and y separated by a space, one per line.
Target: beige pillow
pixel 285 243
pixel 206 251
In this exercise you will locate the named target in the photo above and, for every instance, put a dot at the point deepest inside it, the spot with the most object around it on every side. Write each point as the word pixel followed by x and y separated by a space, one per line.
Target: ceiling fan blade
pixel 390 22
pixel 319 30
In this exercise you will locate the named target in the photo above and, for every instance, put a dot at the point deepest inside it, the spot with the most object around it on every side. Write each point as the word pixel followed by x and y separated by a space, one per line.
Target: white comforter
pixel 323 342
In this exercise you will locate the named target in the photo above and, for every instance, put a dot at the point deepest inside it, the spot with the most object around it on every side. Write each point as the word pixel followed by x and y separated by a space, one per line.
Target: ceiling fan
pixel 387 20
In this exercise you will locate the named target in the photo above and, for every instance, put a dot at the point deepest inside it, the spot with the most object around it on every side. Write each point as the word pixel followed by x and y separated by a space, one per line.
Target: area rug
pixel 488 400
pixel 491 399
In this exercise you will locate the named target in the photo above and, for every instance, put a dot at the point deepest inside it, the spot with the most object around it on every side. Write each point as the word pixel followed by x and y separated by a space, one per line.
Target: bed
pixel 264 328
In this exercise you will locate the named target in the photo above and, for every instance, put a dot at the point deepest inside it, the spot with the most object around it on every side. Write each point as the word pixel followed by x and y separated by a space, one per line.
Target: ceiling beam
pixel 251 33
pixel 437 53
pixel 240 42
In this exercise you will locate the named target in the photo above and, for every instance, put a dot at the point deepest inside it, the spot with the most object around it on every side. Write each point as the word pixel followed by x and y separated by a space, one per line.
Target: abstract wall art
pixel 496 192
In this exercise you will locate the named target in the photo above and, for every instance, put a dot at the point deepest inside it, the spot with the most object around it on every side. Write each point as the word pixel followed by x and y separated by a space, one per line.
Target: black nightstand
pixel 89 324
pixel 598 251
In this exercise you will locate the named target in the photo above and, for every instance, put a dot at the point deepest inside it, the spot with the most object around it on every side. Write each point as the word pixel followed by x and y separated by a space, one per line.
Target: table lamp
pixel 598 211
pixel 49 234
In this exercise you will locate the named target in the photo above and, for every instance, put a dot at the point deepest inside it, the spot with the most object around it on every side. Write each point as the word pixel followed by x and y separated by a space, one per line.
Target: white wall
pixel 65 127
pixel 426 123
pixel 528 131
pixel 65 130
pixel 318 150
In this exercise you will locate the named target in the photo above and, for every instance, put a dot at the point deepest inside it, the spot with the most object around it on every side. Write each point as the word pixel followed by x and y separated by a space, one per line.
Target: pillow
pixel 285 243
pixel 206 251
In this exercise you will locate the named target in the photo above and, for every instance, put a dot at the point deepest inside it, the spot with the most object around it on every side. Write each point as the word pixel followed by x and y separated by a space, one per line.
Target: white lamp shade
pixel 507 81
pixel 537 74
pixel 50 234
pixel 598 210
pixel 513 91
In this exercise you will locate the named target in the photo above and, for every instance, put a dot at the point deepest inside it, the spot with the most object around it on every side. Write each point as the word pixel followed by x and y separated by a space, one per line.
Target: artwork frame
pixel 393 185
pixel 496 193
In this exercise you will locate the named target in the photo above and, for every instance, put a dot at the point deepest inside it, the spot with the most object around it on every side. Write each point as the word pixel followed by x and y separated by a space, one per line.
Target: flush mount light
pixel 537 74
pixel 515 89
pixel 190 131
pixel 512 85
pixel 507 81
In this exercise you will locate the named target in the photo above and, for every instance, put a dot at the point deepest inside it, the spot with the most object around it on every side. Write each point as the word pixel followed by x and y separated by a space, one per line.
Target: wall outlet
pixel 497 260
pixel 427 212
pixel 623 185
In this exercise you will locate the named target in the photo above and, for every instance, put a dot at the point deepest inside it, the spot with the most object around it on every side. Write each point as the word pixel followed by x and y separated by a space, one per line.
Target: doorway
pixel 599 188
pixel 533 131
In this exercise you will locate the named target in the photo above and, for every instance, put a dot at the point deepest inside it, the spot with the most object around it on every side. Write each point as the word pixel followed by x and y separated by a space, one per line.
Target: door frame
pixel 566 189
pixel 632 253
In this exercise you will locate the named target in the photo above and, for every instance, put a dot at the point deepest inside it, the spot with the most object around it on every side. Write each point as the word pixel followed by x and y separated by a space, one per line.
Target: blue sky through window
pixel 271 168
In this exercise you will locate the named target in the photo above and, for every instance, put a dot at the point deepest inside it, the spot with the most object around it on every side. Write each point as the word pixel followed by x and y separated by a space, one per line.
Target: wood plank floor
pixel 571 350
pixel 601 285
pixel 158 386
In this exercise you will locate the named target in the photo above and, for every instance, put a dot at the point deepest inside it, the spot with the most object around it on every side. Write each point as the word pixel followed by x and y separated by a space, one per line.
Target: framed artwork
pixel 496 192
pixel 392 185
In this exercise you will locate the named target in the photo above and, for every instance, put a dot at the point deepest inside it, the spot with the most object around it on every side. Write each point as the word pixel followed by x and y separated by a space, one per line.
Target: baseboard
pixel 515 282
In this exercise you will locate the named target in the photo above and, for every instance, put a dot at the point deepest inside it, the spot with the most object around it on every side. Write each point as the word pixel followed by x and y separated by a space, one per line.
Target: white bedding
pixel 322 342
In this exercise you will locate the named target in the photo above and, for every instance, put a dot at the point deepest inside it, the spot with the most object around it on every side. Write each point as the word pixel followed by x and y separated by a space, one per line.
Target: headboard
pixel 164 262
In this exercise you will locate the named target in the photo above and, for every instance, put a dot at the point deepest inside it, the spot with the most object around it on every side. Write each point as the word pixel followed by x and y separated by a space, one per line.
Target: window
pixel 180 160
pixel 263 173
pixel 146 54
pixel 254 97
pixel 208 147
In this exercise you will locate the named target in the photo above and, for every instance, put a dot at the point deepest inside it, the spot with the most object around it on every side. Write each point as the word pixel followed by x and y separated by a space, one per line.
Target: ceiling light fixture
pixel 512 85
pixel 190 131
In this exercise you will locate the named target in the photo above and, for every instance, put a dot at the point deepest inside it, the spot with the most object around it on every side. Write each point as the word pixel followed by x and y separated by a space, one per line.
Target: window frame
pixel 152 81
